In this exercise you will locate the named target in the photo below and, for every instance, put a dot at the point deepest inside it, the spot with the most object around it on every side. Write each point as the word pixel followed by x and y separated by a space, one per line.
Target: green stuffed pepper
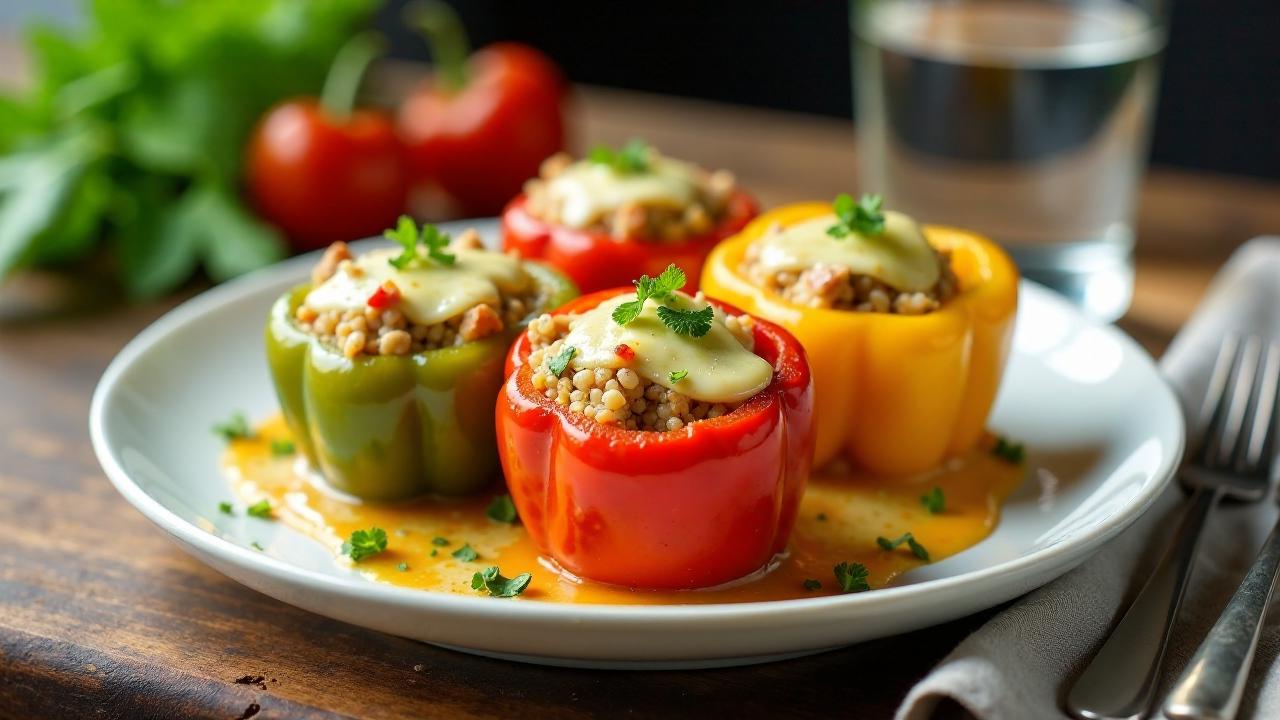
pixel 387 365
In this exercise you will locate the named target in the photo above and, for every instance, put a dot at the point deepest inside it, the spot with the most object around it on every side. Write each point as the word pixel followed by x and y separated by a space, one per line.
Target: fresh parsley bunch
pixel 695 323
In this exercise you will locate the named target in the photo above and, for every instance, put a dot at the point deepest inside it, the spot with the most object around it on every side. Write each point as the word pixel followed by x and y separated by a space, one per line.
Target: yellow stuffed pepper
pixel 907 329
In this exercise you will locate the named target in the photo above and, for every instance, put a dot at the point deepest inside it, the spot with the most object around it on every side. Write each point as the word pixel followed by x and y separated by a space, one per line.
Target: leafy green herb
pixel 916 548
pixel 851 577
pixel 811 584
pixel 280 448
pixel 225 508
pixel 434 552
pixel 130 142
pixel 439 541
pixel 1009 451
pixel 408 237
pixel 934 501
pixel 403 567
pixel 466 553
pixel 687 322
pixel 502 510
pixel 676 376
pixel 365 543
pixel 260 509
pixel 632 158
pixel 256 546
pixel 558 363
pixel 659 288
pixel 863 218
pixel 496 585
pixel 235 428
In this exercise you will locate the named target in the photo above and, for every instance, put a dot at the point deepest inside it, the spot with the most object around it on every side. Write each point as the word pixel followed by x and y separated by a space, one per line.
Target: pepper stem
pixel 446 38
pixel 349 65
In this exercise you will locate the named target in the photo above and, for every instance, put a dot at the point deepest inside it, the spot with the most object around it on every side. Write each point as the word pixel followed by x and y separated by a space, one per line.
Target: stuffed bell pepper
pixel 655 439
pixel 906 328
pixel 614 215
pixel 386 365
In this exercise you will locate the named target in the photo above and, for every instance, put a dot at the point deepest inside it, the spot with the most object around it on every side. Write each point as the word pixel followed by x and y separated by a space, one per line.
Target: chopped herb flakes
pixel 235 428
pixel 916 548
pixel 851 577
pixel 496 585
pixel 502 510
pixel 260 509
pixel 403 567
pixel 439 541
pixel 280 448
pixel 466 553
pixel 558 363
pixel 811 584
pixel 676 376
pixel 225 508
pixel 1010 451
pixel 934 501
pixel 256 546
pixel 365 544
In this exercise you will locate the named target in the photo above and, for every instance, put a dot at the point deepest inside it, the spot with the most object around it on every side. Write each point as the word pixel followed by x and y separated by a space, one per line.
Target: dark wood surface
pixel 102 616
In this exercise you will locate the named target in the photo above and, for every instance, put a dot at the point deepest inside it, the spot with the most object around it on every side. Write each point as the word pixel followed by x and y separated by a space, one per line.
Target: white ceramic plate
pixel 1104 434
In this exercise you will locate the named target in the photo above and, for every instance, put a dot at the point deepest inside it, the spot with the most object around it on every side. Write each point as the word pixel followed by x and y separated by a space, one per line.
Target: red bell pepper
pixel 597 260
pixel 696 507
pixel 482 124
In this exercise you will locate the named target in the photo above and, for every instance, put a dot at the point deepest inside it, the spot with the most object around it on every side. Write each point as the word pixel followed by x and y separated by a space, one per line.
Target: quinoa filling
pixel 619 396
pixel 652 218
pixel 383 329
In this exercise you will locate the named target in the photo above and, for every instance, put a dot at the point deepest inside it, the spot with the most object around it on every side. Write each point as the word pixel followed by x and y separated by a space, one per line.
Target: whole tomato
pixel 323 172
pixel 479 126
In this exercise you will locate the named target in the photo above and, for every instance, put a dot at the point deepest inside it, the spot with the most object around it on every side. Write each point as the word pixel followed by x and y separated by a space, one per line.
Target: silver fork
pixel 1234 424
pixel 1212 684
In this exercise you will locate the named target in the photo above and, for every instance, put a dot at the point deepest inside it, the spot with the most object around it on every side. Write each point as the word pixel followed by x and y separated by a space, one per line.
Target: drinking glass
pixel 1024 120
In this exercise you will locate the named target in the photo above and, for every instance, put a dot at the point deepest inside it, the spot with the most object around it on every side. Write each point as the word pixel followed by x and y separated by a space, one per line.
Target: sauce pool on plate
pixel 841 517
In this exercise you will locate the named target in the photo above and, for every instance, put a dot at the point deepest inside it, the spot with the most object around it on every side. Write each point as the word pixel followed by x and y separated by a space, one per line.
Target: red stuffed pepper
pixel 656 489
pixel 614 215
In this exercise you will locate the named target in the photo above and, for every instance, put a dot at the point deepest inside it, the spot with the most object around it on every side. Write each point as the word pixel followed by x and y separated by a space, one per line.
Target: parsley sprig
pixel 1009 451
pixel 407 235
pixel 695 323
pixel 916 548
pixel 934 501
pixel 863 218
pixel 851 577
pixel 631 159
pixel 365 543
pixel 558 363
pixel 235 428
pixel 492 581
pixel 502 510
pixel 466 553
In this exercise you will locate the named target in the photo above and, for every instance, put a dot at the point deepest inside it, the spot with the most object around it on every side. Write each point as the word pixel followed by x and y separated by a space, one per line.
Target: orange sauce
pixel 841 516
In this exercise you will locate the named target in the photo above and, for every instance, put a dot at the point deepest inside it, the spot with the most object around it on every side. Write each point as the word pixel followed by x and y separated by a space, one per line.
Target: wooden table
pixel 100 614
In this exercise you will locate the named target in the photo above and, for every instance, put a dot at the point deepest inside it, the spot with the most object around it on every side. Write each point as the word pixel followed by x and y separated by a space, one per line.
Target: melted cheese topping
pixel 587 191
pixel 430 293
pixel 901 257
pixel 720 369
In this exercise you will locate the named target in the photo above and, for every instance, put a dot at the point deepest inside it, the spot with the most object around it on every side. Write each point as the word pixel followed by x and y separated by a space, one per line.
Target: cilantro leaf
pixel 436 243
pixel 633 158
pixel 407 235
pixel 811 584
pixel 671 280
pixel 260 509
pixel 225 508
pixel 1009 451
pixel 236 428
pixel 851 577
pixel 627 311
pixel 916 548
pixel 558 363
pixel 280 448
pixel 934 501
pixel 466 553
pixel 676 376
pixel 687 322
pixel 864 217
pixel 492 581
pixel 502 510
pixel 659 288
pixel 439 541
pixel 365 543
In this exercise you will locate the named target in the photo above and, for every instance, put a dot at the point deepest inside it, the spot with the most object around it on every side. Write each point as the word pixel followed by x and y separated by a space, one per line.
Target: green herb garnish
pixel 439 541
pixel 365 543
pixel 225 508
pixel 492 581
pixel 407 235
pixel 280 448
pixel 863 218
pixel 260 509
pixel 851 577
pixel 676 376
pixel 257 546
pixel 434 552
pixel 812 584
pixel 236 428
pixel 684 322
pixel 1010 451
pixel 403 567
pixel 466 553
pixel 558 363
pixel 687 322
pixel 632 158
pixel 916 548
pixel 934 501
pixel 502 510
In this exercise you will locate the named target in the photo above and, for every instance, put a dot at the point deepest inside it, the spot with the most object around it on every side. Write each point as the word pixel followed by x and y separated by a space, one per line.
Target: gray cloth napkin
pixel 1020 664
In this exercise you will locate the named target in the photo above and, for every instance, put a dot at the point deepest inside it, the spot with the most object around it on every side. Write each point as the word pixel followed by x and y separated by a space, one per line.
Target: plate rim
pixel 187 533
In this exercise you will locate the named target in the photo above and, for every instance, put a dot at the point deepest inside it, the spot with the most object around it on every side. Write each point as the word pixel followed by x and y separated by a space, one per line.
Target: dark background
pixel 1219 105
